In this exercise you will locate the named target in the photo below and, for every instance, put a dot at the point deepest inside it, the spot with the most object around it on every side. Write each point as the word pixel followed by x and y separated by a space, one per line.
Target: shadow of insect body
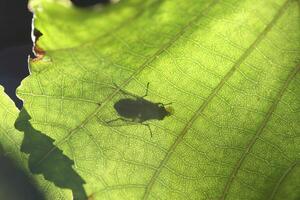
pixel 138 110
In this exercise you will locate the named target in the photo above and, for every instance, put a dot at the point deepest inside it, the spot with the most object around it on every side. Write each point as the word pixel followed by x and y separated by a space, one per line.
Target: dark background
pixel 16 44
pixel 15 47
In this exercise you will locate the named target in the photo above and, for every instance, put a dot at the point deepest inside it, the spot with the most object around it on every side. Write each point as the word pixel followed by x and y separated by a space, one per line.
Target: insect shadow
pixel 138 110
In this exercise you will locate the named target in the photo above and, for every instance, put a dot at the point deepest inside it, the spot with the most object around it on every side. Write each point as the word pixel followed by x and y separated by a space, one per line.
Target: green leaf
pixel 230 69
pixel 14 171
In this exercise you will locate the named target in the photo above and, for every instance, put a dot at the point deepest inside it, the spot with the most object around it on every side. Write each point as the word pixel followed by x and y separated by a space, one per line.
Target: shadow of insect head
pixel 138 110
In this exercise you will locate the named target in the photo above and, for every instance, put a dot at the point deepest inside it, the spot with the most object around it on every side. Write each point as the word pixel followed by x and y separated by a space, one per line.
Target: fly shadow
pixel 54 166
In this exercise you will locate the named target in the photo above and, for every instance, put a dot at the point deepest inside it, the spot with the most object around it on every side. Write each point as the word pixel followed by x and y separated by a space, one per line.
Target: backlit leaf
pixel 230 69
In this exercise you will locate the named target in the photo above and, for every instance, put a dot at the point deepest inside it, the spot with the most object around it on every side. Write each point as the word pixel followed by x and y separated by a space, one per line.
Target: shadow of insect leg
pixel 125 92
pixel 148 126
pixel 130 122
pixel 131 94
pixel 164 104
pixel 117 119
pixel 147 87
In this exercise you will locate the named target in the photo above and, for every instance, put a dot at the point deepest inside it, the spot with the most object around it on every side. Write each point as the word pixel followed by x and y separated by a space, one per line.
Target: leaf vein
pixel 258 133
pixel 210 98
pixel 138 71
pixel 282 178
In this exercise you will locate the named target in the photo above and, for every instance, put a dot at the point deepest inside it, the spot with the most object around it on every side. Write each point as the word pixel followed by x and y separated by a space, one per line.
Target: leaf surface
pixel 230 69
pixel 14 171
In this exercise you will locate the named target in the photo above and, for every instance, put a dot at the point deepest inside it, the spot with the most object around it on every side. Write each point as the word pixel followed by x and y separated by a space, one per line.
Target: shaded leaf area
pixel 15 184
pixel 57 167
pixel 16 180
pixel 230 68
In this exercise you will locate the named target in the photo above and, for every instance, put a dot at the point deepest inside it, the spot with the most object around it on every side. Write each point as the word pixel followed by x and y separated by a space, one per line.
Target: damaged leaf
pixel 230 69
pixel 16 180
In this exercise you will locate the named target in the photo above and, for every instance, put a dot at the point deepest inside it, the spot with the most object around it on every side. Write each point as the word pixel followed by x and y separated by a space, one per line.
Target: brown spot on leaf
pixel 38 51
pixel 91 197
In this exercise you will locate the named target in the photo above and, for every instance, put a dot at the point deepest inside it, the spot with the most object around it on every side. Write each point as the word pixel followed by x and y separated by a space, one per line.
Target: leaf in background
pixel 16 180
pixel 230 68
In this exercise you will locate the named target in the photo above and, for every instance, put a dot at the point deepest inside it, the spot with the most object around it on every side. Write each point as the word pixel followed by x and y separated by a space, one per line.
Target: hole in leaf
pixel 88 3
